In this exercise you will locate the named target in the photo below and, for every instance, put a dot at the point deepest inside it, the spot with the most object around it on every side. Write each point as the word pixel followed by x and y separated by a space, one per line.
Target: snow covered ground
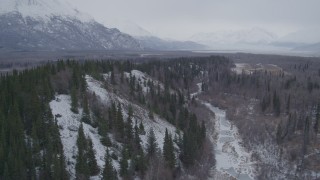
pixel 142 79
pixel 240 67
pixel 231 157
pixel 68 126
pixel 232 160
pixel 69 123
pixel 198 92
pixel 140 114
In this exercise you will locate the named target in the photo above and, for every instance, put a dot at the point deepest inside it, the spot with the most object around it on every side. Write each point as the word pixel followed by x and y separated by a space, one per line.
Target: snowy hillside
pixel 69 123
pixel 143 79
pixel 158 124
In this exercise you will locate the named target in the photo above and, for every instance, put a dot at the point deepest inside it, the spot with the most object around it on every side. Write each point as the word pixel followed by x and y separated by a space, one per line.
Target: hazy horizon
pixel 181 19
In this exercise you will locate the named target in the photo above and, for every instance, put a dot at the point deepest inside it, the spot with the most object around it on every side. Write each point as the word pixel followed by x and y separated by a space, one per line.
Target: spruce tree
pixel 86 113
pixel 82 169
pixel 109 172
pixel 124 163
pixel 152 145
pixel 74 100
pixel 168 150
pixel 119 121
pixel 92 162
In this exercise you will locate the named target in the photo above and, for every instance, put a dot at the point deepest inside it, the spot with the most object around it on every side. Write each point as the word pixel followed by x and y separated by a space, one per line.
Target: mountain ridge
pixel 52 25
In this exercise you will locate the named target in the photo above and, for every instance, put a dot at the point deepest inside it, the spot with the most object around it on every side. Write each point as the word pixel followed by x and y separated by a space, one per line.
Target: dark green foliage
pixel 120 122
pixel 152 146
pixel 168 150
pixel 85 114
pixel 193 138
pixel 86 162
pixel 109 173
pixel 74 100
pixel 82 168
pixel 139 163
pixel 27 127
pixel 92 162
pixel 276 104
pixel 124 163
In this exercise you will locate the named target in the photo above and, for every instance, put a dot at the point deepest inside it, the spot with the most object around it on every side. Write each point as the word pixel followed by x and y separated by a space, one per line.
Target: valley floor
pixel 232 160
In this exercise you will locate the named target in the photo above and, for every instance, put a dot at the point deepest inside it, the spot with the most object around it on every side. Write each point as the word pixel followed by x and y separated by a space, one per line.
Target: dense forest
pixel 31 148
pixel 276 110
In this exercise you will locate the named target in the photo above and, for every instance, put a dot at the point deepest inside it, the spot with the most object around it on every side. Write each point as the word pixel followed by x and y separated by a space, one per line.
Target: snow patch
pixel 42 9
pixel 69 123
pixel 143 78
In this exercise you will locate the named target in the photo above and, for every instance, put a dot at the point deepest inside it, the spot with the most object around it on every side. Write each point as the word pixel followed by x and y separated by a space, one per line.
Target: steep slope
pixel 69 123
pixel 128 27
pixel 53 25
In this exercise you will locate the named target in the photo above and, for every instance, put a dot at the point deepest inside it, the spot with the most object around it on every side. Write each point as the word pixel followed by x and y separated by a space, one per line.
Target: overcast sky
pixel 180 19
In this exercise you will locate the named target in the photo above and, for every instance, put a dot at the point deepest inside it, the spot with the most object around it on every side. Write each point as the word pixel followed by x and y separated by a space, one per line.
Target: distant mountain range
pixel 55 25
pixel 261 40
pixel 250 36
pixel 150 41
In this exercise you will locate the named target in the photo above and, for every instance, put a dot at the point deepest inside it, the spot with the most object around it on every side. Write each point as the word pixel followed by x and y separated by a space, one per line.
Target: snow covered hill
pixel 54 25
pixel 158 124
pixel 69 123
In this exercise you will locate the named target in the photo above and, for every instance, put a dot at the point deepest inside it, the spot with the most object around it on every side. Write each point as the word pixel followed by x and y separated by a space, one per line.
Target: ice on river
pixel 231 157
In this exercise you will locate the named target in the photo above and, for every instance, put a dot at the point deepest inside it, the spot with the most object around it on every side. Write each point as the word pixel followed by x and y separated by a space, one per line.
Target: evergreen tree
pixel 276 104
pixel 109 173
pixel 82 169
pixel 168 150
pixel 128 125
pixel 74 100
pixel 139 162
pixel 92 162
pixel 152 145
pixel 119 121
pixel 86 113
pixel 124 163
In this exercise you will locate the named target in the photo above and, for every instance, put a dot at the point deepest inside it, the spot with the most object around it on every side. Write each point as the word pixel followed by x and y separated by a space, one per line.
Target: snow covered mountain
pixel 254 36
pixel 150 41
pixel 54 25
pixel 128 27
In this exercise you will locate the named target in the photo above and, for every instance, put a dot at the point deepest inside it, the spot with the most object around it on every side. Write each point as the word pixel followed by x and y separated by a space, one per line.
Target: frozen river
pixel 231 157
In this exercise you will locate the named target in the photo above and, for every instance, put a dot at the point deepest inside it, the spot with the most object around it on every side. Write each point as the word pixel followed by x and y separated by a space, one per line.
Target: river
pixel 232 159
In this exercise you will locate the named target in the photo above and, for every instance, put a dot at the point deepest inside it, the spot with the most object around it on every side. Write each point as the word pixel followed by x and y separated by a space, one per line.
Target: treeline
pixel 30 144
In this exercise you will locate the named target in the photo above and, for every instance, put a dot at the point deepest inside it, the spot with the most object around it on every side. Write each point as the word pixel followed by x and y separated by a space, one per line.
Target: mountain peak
pixel 41 9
